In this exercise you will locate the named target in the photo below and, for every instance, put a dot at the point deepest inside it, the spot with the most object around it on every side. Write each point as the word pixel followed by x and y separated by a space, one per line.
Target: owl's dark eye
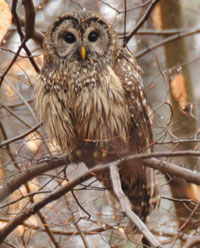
pixel 93 36
pixel 69 38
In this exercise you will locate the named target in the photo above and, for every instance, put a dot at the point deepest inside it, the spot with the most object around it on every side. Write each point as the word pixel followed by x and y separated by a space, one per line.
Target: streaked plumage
pixel 95 106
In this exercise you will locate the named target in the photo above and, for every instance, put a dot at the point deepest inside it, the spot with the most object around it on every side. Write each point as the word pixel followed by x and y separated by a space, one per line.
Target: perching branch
pixel 31 173
pixel 165 167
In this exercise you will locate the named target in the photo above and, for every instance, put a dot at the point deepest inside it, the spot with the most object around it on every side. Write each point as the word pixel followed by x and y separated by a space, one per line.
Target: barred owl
pixel 91 99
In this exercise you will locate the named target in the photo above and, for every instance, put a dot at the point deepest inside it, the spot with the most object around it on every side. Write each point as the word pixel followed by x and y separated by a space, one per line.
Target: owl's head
pixel 81 36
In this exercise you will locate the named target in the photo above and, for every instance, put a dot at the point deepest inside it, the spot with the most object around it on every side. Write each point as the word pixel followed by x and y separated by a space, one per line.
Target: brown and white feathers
pixel 91 99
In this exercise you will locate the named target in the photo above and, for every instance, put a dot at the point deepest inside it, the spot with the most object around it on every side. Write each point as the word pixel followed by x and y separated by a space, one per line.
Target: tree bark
pixel 184 125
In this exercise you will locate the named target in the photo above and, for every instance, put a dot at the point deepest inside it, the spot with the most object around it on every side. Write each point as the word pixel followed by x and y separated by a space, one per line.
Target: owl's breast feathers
pixel 88 104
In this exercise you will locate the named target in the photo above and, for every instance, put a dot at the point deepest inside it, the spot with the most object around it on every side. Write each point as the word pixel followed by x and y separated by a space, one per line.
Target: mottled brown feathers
pixel 97 105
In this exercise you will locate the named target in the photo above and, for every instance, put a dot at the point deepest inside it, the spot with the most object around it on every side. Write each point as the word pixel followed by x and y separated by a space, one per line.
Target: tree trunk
pixel 183 125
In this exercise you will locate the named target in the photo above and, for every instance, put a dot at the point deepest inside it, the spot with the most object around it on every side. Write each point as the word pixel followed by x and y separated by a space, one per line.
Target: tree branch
pixel 126 206
pixel 31 173
pixel 50 164
pixel 6 230
pixel 21 136
pixel 167 40
pixel 172 169
pixel 142 21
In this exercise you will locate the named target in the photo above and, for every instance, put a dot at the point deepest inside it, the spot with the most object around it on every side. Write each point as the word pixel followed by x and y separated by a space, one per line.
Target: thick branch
pixel 29 174
pixel 193 242
pixel 175 170
pixel 29 18
pixel 154 163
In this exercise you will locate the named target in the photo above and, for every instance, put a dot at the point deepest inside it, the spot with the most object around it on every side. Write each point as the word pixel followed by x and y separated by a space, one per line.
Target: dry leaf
pixel 5 17
pixel 33 142
pixel 157 17
pixel 178 90
pixel 193 192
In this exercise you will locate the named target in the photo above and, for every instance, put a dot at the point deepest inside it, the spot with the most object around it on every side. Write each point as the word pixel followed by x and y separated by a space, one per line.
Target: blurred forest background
pixel 164 37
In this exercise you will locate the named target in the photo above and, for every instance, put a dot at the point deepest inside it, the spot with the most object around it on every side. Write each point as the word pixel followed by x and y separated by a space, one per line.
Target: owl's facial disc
pixel 68 41
pixel 98 37
pixel 83 37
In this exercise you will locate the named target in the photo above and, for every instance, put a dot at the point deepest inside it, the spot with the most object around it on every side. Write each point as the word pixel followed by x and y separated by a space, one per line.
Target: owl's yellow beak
pixel 83 53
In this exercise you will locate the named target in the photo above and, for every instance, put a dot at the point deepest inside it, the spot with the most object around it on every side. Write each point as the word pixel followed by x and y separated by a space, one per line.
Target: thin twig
pixel 167 40
pixel 80 206
pixel 178 235
pixel 21 136
pixel 23 99
pixel 15 115
pixel 125 14
pixel 48 230
pixel 23 197
pixel 30 173
pixel 142 21
pixel 177 141
pixel 91 232
pixel 6 230
pixel 79 231
pixel 13 60
pixel 155 32
pixel 127 10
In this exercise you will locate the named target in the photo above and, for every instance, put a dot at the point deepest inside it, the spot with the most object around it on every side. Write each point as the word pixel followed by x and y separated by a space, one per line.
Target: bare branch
pixel 126 10
pixel 142 21
pixel 15 115
pixel 23 197
pixel 179 234
pixel 50 164
pixel 156 164
pixel 29 18
pixel 173 169
pixel 22 37
pixel 30 173
pixel 6 230
pixel 126 206
pixel 167 40
pixel 192 242
pixel 21 136
pixel 13 60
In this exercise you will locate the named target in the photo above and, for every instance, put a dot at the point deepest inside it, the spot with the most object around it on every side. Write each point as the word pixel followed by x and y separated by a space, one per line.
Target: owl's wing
pixel 142 187
pixel 129 73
